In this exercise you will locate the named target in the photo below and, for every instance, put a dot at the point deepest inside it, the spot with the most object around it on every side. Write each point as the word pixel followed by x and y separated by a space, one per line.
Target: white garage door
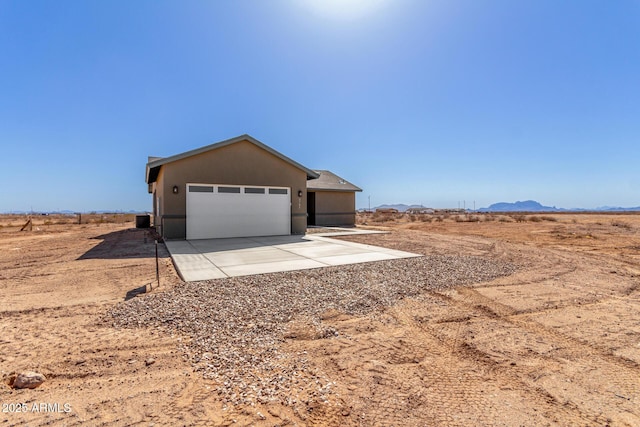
pixel 217 211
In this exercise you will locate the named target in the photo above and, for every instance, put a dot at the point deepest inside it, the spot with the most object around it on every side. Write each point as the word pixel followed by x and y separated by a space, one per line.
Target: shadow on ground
pixel 135 292
pixel 129 243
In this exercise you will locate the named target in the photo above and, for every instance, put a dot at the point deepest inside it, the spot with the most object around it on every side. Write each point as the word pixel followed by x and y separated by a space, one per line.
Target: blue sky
pixel 416 101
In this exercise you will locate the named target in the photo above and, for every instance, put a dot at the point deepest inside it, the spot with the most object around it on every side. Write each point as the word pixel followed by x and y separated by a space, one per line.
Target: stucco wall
pixel 158 192
pixel 335 208
pixel 242 163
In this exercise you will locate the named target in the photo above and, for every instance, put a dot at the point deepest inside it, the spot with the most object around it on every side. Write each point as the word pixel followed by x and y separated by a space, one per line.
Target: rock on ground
pixel 28 379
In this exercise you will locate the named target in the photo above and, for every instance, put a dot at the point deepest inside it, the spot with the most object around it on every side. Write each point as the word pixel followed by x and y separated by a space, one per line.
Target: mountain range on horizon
pixel 524 206
pixel 534 206
pixel 520 206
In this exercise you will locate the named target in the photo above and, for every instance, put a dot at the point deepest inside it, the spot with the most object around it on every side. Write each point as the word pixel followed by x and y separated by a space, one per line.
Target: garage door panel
pixel 215 214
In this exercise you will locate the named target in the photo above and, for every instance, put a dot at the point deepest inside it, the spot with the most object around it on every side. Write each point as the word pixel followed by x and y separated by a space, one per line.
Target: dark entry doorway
pixel 311 208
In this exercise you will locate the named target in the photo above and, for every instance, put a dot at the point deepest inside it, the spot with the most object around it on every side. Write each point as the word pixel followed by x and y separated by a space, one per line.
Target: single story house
pixel 387 210
pixel 241 187
pixel 420 211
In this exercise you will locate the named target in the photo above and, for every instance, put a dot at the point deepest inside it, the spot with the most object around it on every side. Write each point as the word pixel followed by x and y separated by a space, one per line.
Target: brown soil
pixel 556 343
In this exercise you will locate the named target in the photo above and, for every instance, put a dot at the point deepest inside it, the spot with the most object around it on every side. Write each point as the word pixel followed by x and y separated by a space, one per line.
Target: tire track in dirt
pixel 104 362
pixel 620 374
pixel 55 291
pixel 544 266
pixel 472 297
pixel 409 374
pixel 450 373
pixel 522 331
pixel 506 376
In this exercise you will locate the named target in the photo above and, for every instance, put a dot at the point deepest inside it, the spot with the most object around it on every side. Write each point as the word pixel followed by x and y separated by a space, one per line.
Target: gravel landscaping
pixel 320 230
pixel 236 325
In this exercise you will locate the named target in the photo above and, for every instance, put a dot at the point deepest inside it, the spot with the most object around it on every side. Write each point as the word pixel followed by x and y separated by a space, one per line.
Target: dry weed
pixel 621 224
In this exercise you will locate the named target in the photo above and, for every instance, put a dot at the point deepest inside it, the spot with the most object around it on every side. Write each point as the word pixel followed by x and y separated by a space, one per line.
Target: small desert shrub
pixel 426 218
pixel 466 218
pixel 381 217
pixel 412 218
pixel 48 222
pixel 518 218
pixel 549 218
pixel 621 224
pixel 534 218
pixel 439 218
pixel 506 219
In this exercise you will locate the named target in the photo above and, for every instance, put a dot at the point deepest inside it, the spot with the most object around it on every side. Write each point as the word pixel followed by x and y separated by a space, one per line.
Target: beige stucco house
pixel 241 187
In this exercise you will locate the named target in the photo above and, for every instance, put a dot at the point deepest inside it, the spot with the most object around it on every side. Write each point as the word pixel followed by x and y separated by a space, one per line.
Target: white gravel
pixel 236 325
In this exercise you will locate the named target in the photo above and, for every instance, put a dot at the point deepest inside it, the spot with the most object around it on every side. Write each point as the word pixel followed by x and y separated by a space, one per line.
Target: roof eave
pixel 340 190
pixel 151 173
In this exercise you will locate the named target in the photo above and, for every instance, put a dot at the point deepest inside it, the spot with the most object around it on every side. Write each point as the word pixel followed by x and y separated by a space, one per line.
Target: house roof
pixel 329 181
pixel 155 163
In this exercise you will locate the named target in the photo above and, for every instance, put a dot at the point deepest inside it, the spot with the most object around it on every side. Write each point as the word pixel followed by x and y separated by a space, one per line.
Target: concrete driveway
pixel 219 258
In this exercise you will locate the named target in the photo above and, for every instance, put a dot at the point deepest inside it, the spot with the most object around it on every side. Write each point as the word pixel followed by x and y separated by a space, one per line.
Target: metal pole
pixel 157 266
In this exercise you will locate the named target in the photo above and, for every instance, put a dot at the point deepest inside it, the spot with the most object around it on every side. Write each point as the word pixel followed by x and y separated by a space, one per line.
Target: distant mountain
pixel 617 209
pixel 400 207
pixel 520 206
pixel 526 206
pixel 533 206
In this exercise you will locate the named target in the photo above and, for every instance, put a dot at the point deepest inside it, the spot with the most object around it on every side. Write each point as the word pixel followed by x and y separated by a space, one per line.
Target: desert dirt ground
pixel 555 343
